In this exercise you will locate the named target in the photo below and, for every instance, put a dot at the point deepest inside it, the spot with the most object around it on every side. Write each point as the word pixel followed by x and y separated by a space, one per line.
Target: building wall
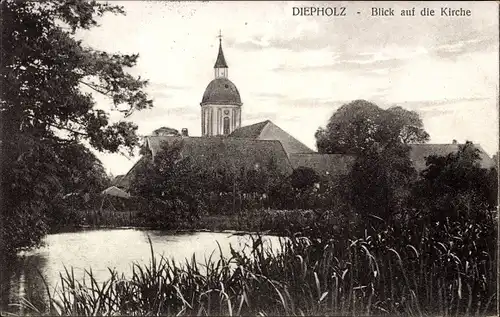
pixel 212 117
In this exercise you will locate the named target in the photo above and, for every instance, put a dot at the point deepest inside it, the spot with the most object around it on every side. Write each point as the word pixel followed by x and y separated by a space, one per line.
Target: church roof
pixel 227 153
pixel 419 153
pixel 267 130
pixel 221 61
pixel 252 131
pixel 221 91
pixel 123 181
pixel 116 181
pixel 324 164
pixel 235 153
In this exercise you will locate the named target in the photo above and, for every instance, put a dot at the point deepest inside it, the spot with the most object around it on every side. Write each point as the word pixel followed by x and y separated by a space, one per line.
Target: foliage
pixel 456 183
pixel 361 127
pixel 166 131
pixel 174 187
pixel 380 183
pixel 47 110
pixel 459 198
pixel 303 178
pixel 382 173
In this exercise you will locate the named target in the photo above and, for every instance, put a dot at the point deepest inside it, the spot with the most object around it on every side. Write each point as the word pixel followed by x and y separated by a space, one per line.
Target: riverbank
pixel 274 222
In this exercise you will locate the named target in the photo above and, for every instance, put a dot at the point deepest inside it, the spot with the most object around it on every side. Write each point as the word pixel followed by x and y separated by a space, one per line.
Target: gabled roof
pixel 252 131
pixel 117 180
pixel 125 180
pixel 324 164
pixel 267 130
pixel 227 153
pixel 221 61
pixel 115 191
pixel 419 153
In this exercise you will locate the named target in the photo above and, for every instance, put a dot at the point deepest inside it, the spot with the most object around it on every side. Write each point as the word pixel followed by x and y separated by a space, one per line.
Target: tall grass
pixel 373 274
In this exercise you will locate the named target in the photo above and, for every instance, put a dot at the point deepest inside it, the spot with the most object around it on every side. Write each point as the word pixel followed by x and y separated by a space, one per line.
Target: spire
pixel 221 61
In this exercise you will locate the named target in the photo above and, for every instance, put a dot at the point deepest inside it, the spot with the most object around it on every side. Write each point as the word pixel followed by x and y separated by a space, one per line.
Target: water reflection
pixel 21 278
pixel 100 250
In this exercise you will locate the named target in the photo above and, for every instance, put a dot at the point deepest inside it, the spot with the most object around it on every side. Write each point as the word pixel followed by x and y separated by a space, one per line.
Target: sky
pixel 297 70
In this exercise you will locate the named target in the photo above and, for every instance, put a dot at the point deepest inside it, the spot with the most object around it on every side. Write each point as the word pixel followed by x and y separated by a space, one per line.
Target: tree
pixel 455 186
pixel 454 204
pixel 361 126
pixel 47 107
pixel 303 178
pixel 382 173
pixel 166 131
pixel 86 175
pixel 175 187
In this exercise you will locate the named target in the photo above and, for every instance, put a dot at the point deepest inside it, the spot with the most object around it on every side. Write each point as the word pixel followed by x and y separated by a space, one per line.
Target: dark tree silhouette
pixel 382 173
pixel 47 108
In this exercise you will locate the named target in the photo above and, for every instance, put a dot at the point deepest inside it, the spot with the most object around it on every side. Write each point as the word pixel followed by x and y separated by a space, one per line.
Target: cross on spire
pixel 220 36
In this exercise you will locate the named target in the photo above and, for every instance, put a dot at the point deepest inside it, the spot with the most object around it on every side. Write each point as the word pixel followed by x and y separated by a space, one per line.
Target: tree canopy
pixel 48 110
pixel 455 185
pixel 175 187
pixel 166 131
pixel 361 126
pixel 383 172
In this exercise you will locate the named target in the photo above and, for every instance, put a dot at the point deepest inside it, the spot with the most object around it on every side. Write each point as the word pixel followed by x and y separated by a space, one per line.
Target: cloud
pixel 268 95
pixel 422 104
pixel 453 50
pixel 370 66
pixel 166 86
pixel 251 118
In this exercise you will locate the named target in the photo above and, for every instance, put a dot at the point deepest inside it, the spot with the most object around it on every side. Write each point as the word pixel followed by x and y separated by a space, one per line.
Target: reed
pixel 396 271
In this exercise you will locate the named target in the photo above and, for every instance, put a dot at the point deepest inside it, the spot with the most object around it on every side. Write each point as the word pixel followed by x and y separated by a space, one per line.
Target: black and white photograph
pixel 249 158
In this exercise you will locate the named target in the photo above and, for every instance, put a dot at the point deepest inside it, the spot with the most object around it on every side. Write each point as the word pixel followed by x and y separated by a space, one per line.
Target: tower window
pixel 226 125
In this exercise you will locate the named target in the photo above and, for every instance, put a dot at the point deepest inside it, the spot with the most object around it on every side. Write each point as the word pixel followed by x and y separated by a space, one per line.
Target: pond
pixel 103 249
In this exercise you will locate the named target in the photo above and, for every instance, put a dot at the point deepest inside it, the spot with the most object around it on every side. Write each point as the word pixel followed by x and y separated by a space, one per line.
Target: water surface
pixel 102 249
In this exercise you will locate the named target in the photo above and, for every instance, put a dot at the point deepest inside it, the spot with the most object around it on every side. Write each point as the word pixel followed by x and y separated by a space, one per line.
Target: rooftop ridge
pixel 212 138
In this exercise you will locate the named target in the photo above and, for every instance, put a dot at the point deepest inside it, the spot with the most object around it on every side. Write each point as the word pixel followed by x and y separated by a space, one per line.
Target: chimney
pixel 184 132
pixel 454 142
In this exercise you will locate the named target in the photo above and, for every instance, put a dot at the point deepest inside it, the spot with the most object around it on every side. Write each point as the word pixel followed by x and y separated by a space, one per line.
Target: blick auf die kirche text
pixel 443 11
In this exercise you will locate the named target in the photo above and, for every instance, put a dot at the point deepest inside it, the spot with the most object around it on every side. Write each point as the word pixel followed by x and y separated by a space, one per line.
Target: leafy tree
pixel 166 131
pixel 175 187
pixel 454 205
pixel 455 186
pixel 361 126
pixel 382 173
pixel 85 175
pixel 47 108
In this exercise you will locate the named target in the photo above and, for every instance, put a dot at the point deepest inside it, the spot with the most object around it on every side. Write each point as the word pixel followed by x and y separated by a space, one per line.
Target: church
pixel 225 144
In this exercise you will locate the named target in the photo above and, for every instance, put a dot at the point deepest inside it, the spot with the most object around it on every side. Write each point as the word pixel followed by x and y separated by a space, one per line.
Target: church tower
pixel 221 103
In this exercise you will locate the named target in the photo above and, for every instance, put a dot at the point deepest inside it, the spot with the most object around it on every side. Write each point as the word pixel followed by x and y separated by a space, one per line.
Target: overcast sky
pixel 297 70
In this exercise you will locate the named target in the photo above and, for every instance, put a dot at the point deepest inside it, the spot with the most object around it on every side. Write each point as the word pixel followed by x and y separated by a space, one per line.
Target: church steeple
pixel 221 69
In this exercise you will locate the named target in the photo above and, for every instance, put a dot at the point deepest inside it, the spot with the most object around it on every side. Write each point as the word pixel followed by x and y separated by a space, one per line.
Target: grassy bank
pixel 281 222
